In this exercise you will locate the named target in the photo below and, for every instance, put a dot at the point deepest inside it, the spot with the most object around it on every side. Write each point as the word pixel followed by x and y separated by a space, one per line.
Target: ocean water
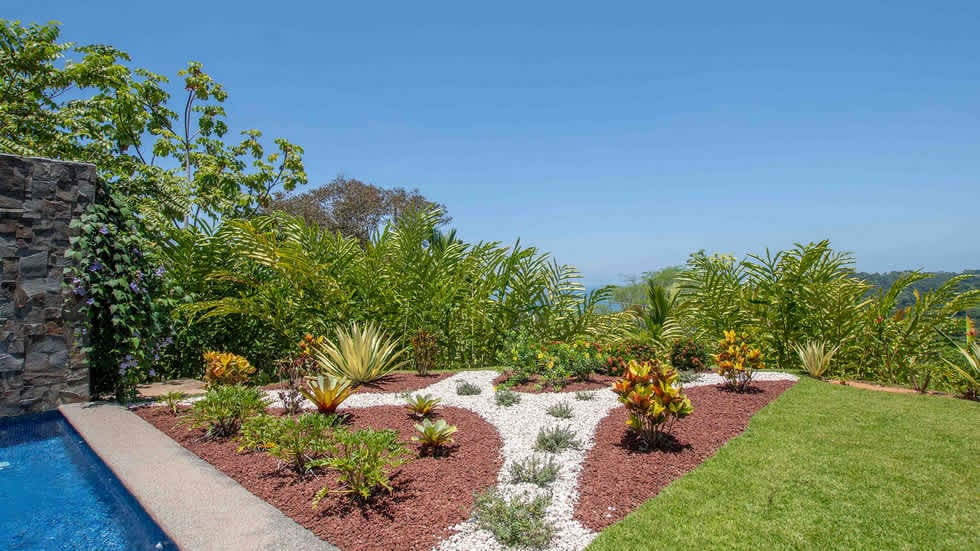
pixel 56 494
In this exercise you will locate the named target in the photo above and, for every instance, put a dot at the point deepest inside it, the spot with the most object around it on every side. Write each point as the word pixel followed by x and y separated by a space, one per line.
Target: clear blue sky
pixel 618 136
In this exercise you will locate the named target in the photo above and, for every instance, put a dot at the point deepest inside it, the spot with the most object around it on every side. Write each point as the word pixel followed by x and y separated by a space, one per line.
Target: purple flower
pixel 95 267
pixel 104 230
pixel 135 287
pixel 90 301
pixel 152 373
pixel 80 291
pixel 159 272
pixel 76 281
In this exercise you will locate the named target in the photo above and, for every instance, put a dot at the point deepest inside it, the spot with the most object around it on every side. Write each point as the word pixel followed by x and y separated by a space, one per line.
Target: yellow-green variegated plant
pixel 815 357
pixel 654 400
pixel 327 392
pixel 360 354
pixel 434 437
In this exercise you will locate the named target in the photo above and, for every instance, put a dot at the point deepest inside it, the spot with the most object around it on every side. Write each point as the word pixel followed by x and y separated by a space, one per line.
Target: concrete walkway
pixel 199 507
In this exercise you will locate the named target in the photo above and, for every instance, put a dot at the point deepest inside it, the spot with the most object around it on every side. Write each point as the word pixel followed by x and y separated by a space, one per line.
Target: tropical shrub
pixel 618 355
pixel 561 410
pixel 688 355
pixel 506 397
pixel 535 470
pixel 295 442
pixel 434 437
pixel 225 368
pixel 327 392
pixel 737 360
pixel 653 400
pixel 361 354
pixel 364 461
pixel 815 357
pixel 421 405
pixel 556 440
pixel 518 521
pixel 224 408
pixel 969 375
pixel 553 363
pixel 425 347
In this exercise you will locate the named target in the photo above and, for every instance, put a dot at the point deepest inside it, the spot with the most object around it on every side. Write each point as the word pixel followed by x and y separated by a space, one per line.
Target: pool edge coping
pixel 197 506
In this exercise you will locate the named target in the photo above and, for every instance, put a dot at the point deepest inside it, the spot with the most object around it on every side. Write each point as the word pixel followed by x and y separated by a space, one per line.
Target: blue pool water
pixel 55 493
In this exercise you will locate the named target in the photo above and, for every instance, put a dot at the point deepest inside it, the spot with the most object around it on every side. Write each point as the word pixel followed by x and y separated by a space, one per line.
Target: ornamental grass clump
pixel 224 408
pixel 506 397
pixel 225 368
pixel 737 360
pixel 654 400
pixel 535 470
pixel 467 388
pixel 561 410
pixel 557 440
pixel 361 354
pixel 518 521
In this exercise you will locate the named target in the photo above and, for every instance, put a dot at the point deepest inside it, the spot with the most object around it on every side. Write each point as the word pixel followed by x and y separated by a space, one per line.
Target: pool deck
pixel 199 507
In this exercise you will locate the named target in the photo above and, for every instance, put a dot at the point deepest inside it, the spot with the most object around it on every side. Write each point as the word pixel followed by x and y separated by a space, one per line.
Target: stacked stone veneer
pixel 40 367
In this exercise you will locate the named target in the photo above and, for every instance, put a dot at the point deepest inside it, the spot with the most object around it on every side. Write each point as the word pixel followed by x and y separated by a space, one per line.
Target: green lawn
pixel 827 467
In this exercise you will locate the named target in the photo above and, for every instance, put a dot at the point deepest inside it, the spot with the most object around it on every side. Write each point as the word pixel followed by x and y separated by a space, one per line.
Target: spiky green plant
pixel 327 392
pixel 421 405
pixel 557 440
pixel 561 410
pixel 434 437
pixel 172 400
pixel 535 470
pixel 815 357
pixel 360 354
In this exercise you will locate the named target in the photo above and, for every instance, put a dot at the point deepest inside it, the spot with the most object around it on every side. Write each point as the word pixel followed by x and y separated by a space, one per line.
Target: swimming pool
pixel 55 493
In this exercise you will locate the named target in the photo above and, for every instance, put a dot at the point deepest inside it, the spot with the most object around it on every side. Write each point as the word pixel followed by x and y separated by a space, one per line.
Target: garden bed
pixel 618 476
pixel 430 494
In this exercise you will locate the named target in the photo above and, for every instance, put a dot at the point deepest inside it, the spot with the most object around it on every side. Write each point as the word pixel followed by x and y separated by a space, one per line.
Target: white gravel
pixel 519 426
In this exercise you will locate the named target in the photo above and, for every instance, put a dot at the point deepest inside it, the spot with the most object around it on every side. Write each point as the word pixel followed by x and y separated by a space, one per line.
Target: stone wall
pixel 40 368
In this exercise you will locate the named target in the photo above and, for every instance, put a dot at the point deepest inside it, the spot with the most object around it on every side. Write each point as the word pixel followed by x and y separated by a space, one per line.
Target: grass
pixel 827 467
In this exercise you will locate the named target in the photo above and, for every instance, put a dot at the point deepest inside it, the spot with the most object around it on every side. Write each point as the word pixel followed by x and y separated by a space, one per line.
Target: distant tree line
pixel 907 297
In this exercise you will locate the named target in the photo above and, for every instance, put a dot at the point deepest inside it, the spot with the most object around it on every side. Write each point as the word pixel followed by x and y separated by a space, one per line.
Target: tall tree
pixel 85 103
pixel 355 208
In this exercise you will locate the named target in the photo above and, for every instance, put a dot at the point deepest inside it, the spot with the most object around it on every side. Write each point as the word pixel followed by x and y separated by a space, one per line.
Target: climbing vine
pixel 121 291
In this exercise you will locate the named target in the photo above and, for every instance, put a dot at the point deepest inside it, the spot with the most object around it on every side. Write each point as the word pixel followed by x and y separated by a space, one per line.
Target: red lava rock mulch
pixel 613 468
pixel 430 494
pixel 393 382
pixel 595 382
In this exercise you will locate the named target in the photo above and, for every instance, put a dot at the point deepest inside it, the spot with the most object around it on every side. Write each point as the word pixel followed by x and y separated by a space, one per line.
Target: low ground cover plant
pixel 506 397
pixel 556 440
pixel 225 368
pixel 224 408
pixel 654 400
pixel 551 363
pixel 518 521
pixel 584 395
pixel 540 471
pixel 561 410
pixel 467 388
pixel 737 360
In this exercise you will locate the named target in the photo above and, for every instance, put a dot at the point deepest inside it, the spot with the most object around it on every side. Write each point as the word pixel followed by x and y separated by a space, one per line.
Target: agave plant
pixel 421 405
pixel 327 392
pixel 434 437
pixel 361 354
pixel 816 357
